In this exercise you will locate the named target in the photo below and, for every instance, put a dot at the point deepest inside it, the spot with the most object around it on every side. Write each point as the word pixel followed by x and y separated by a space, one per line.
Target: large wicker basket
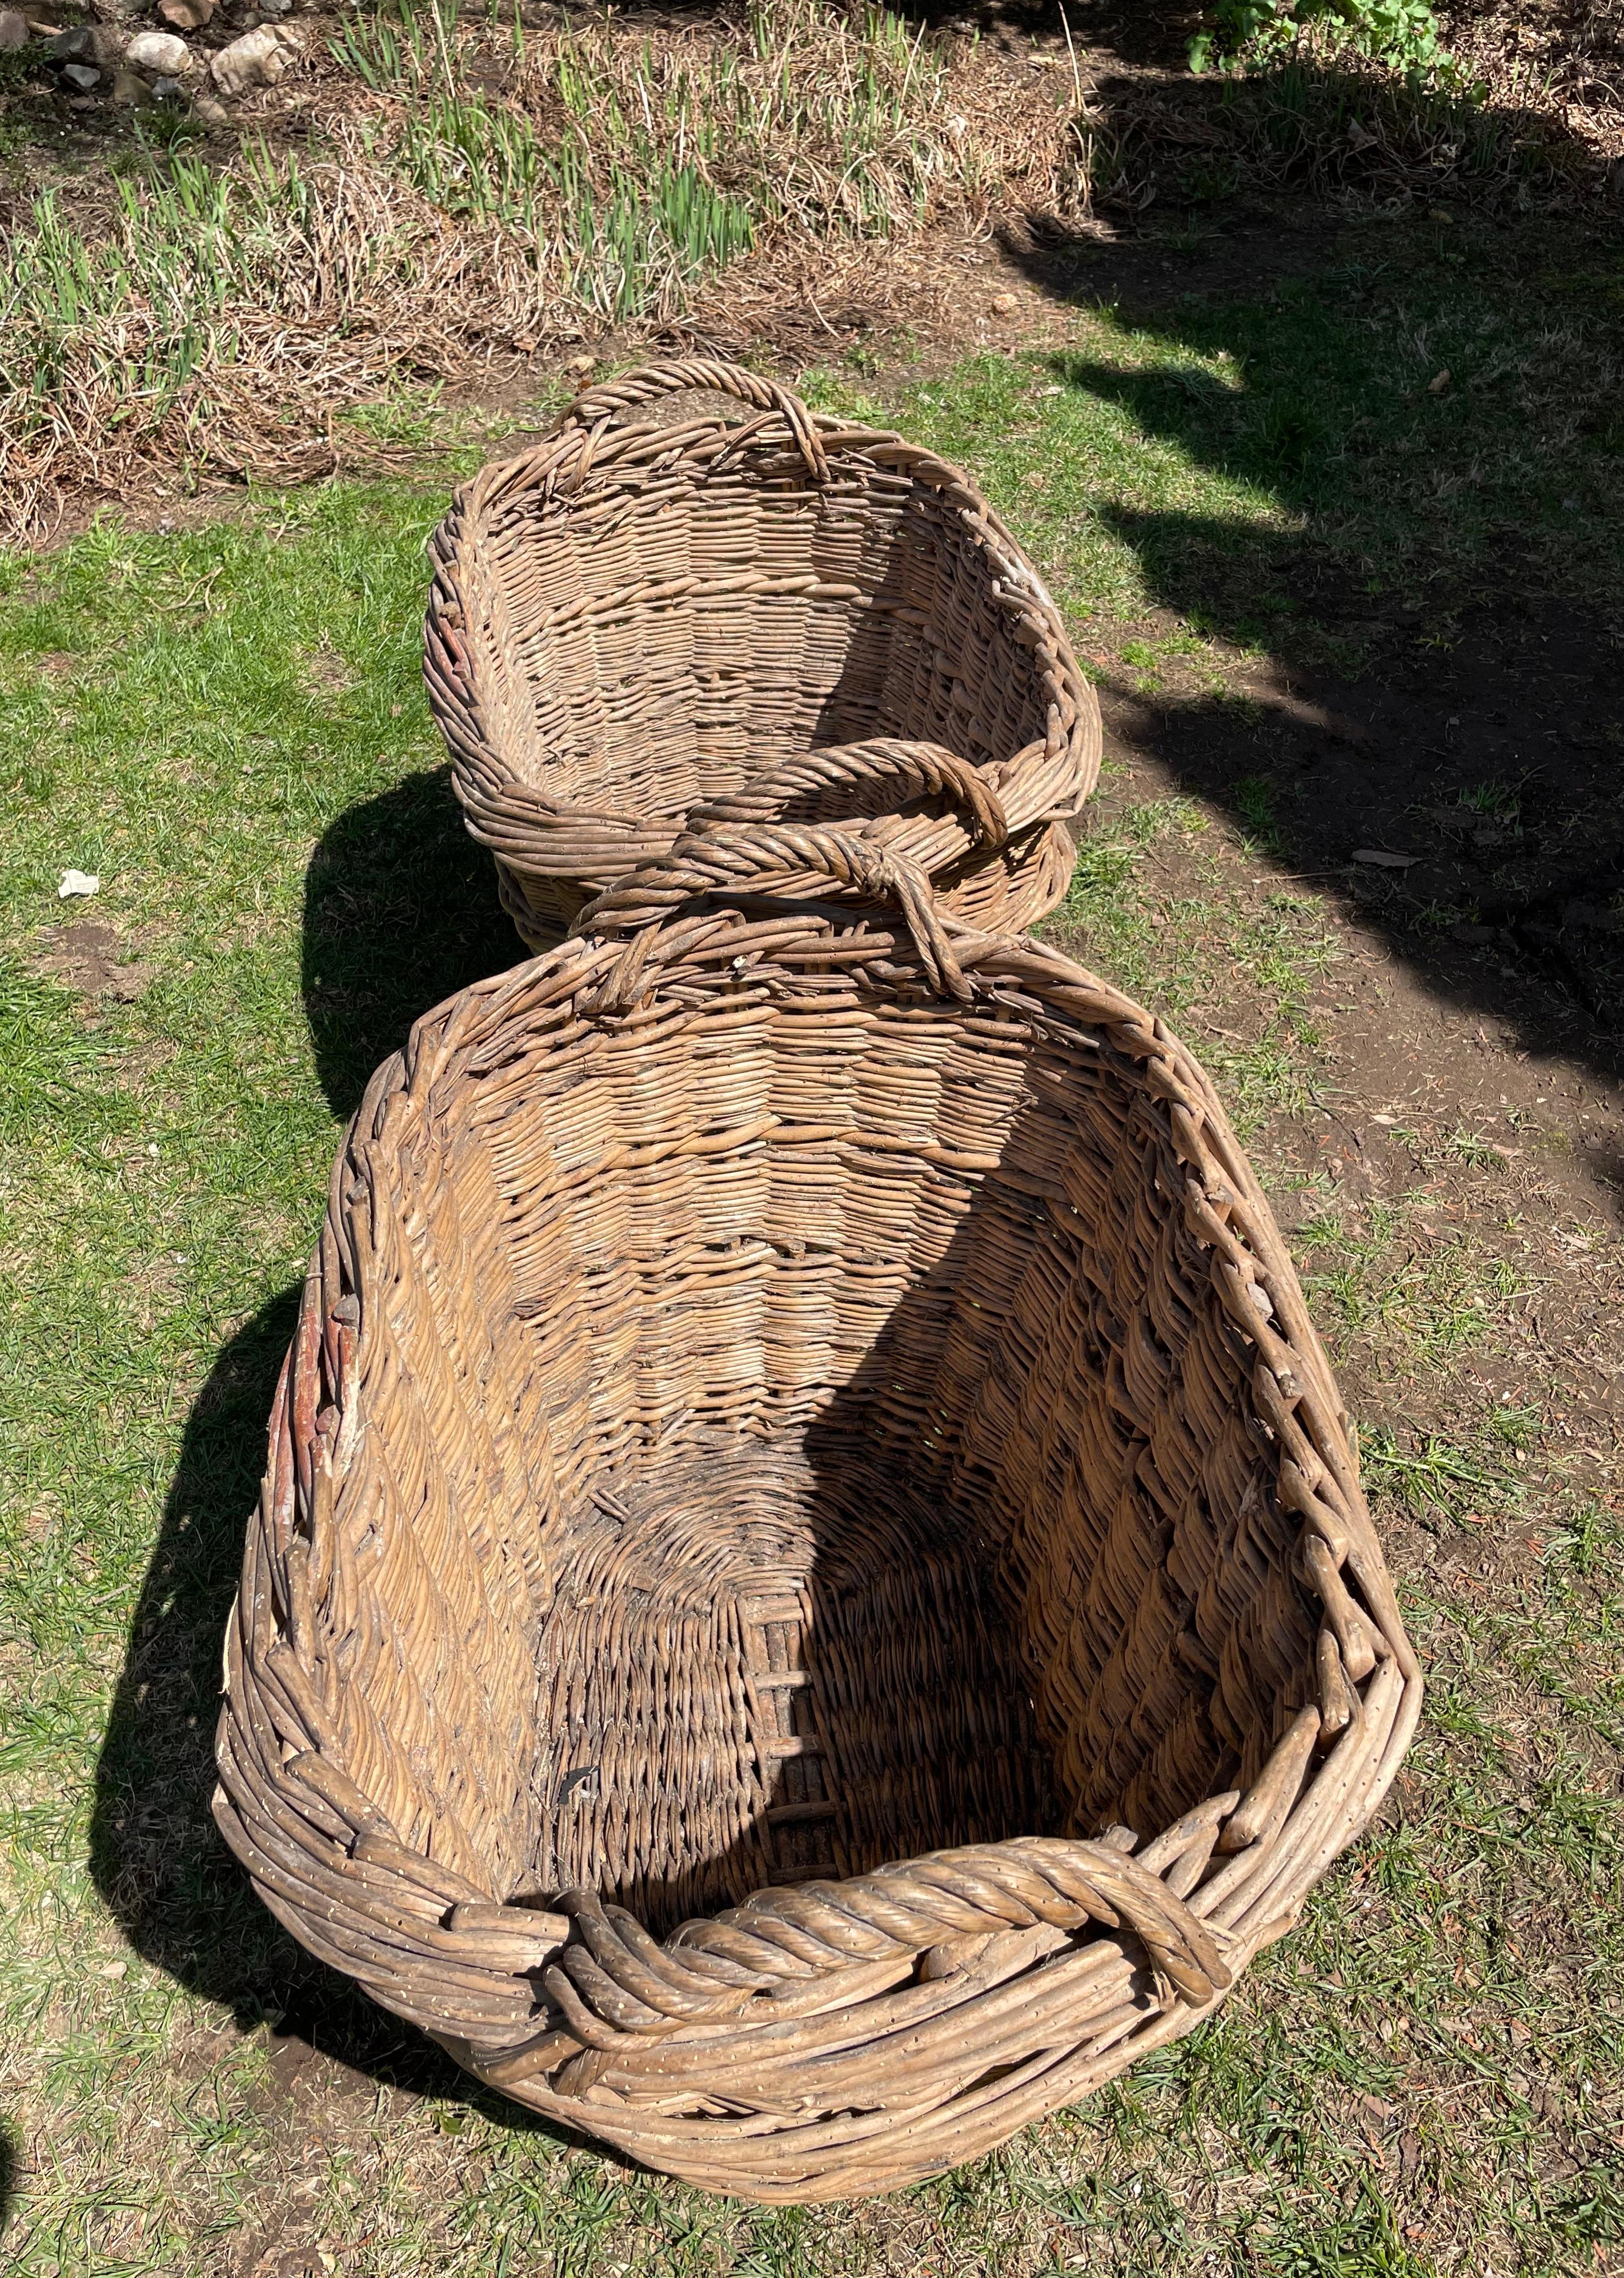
pixel 638 627
pixel 811 1598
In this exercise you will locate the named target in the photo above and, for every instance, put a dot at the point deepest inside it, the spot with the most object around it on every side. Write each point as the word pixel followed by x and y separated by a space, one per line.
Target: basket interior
pixel 809 1436
pixel 622 697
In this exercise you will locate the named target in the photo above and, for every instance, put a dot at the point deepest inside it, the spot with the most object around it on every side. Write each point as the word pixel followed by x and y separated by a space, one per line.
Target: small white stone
pixel 257 59
pixel 77 881
pixel 158 51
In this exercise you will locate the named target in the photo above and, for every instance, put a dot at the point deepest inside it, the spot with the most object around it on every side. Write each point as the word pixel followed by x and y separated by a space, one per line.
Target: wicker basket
pixel 639 627
pixel 798 1440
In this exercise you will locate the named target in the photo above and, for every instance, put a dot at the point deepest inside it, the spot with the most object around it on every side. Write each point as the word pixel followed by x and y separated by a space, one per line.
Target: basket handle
pixel 652 380
pixel 916 770
pixel 721 859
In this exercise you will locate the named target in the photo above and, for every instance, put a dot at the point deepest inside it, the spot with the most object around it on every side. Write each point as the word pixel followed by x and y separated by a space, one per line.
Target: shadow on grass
pixel 400 910
pixel 177 1893
pixel 1438 611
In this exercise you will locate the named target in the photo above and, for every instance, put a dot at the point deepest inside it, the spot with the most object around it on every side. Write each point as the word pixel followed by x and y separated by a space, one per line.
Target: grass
pixel 473 194
pixel 1178 946
pixel 1372 1287
pixel 466 194
pixel 1435 1478
pixel 196 326
pixel 226 724
pixel 634 167
pixel 1264 464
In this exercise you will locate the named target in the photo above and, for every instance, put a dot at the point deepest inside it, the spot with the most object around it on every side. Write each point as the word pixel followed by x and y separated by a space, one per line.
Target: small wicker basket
pixel 638 628
pixel 811 1599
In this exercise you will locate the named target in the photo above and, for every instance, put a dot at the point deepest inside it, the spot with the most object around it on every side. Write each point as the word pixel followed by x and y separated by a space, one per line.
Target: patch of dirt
pixel 287 2262
pixel 1566 56
pixel 1472 1069
pixel 327 672
pixel 298 2075
pixel 1484 760
pixel 90 958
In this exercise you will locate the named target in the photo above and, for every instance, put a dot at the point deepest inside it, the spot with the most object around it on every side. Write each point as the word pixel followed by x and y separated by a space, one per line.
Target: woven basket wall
pixel 638 626
pixel 811 1598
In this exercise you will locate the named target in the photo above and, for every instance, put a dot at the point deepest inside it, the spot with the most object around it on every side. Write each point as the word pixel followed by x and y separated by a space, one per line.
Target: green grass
pixel 227 725
pixel 1368 1285
pixel 1275 470
pixel 1433 1478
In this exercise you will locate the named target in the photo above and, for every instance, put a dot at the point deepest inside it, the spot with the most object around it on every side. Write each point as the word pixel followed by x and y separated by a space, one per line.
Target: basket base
pixel 753 1674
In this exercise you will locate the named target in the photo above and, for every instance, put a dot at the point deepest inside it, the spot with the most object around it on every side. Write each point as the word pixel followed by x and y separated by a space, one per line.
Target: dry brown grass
pixel 1338 125
pixel 155 351
pixel 1562 58
pixel 477 202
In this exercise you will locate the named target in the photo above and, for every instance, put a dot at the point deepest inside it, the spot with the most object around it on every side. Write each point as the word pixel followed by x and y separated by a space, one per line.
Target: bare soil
pixel 1444 1028
pixel 90 959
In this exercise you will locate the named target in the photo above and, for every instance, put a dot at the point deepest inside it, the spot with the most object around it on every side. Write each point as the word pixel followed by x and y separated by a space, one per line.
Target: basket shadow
pixel 9 2166
pixel 401 912
pixel 155 1853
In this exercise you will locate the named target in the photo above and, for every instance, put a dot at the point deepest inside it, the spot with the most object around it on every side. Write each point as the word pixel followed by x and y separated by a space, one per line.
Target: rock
pixel 1381 858
pixel 157 52
pixel 83 43
pixel 185 15
pixel 131 90
pixel 208 111
pixel 81 77
pixel 257 59
pixel 13 32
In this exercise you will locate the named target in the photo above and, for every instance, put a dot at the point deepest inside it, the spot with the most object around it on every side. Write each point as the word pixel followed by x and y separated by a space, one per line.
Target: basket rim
pixel 434 1947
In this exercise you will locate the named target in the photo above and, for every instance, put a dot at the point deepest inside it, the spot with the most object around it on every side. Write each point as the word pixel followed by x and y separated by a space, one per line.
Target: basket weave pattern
pixel 811 1598
pixel 636 628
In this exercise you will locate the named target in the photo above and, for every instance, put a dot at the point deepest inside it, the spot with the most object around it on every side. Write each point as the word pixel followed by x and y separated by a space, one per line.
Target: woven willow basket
pixel 636 628
pixel 811 1599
